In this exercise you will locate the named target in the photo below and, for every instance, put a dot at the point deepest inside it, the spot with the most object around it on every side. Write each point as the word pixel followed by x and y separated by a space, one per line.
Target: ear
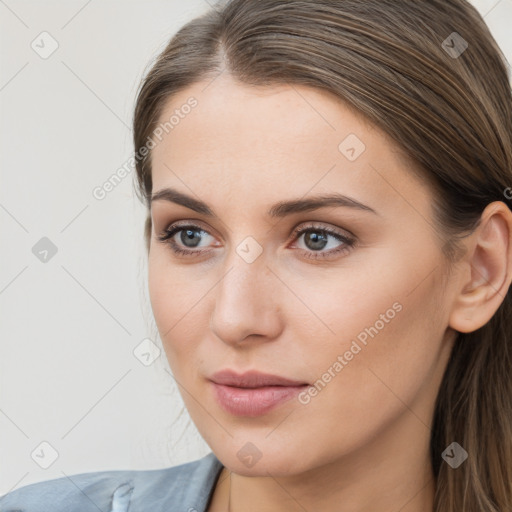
pixel 486 274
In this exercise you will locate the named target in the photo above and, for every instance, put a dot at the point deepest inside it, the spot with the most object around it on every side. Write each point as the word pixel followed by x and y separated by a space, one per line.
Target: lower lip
pixel 253 401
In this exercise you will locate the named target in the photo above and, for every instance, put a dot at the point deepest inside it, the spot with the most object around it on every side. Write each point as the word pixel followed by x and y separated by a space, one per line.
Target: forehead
pixel 283 139
pixel 267 117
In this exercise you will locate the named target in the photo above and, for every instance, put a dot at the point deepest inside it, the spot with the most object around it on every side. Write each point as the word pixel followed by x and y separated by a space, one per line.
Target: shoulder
pixel 183 488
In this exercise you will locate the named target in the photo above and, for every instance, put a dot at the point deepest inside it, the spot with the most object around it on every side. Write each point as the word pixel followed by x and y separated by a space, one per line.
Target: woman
pixel 329 248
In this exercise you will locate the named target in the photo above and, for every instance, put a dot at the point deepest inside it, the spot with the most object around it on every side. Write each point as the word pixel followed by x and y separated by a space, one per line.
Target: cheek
pixel 382 342
pixel 373 369
pixel 178 296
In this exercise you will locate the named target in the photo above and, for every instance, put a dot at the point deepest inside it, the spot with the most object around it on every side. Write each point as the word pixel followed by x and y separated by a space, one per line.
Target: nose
pixel 247 303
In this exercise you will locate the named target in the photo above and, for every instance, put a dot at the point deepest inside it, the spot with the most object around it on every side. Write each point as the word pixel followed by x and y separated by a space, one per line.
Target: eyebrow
pixel 280 209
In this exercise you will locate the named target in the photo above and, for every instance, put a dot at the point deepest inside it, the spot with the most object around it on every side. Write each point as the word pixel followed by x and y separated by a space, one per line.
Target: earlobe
pixel 488 270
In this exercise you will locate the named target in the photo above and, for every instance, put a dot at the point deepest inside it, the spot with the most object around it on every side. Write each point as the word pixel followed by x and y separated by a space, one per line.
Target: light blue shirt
pixel 184 488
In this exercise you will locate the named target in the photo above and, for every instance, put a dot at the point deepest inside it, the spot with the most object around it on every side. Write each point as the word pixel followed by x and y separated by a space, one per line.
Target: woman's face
pixel 354 306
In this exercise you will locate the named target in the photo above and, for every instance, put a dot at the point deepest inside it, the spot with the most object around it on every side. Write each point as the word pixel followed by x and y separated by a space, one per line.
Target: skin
pixel 363 440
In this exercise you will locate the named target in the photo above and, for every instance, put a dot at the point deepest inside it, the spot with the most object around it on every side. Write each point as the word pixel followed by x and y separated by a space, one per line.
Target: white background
pixel 68 375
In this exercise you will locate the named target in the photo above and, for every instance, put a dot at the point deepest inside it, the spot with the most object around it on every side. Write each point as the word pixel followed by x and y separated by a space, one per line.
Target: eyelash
pixel 167 235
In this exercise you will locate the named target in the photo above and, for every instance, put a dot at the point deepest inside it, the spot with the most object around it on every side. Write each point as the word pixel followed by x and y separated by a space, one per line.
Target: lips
pixel 252 379
pixel 253 393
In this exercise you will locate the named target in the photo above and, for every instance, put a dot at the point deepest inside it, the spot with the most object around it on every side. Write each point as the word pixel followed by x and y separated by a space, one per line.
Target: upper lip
pixel 252 379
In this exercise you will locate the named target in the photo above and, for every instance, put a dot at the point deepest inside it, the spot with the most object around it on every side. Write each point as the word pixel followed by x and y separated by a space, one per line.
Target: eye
pixel 190 236
pixel 315 239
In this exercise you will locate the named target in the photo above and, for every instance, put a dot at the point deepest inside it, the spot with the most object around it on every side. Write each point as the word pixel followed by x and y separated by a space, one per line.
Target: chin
pixel 261 458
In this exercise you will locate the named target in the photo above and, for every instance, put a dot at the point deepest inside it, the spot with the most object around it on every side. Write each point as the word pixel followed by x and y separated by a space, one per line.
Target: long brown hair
pixel 428 73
